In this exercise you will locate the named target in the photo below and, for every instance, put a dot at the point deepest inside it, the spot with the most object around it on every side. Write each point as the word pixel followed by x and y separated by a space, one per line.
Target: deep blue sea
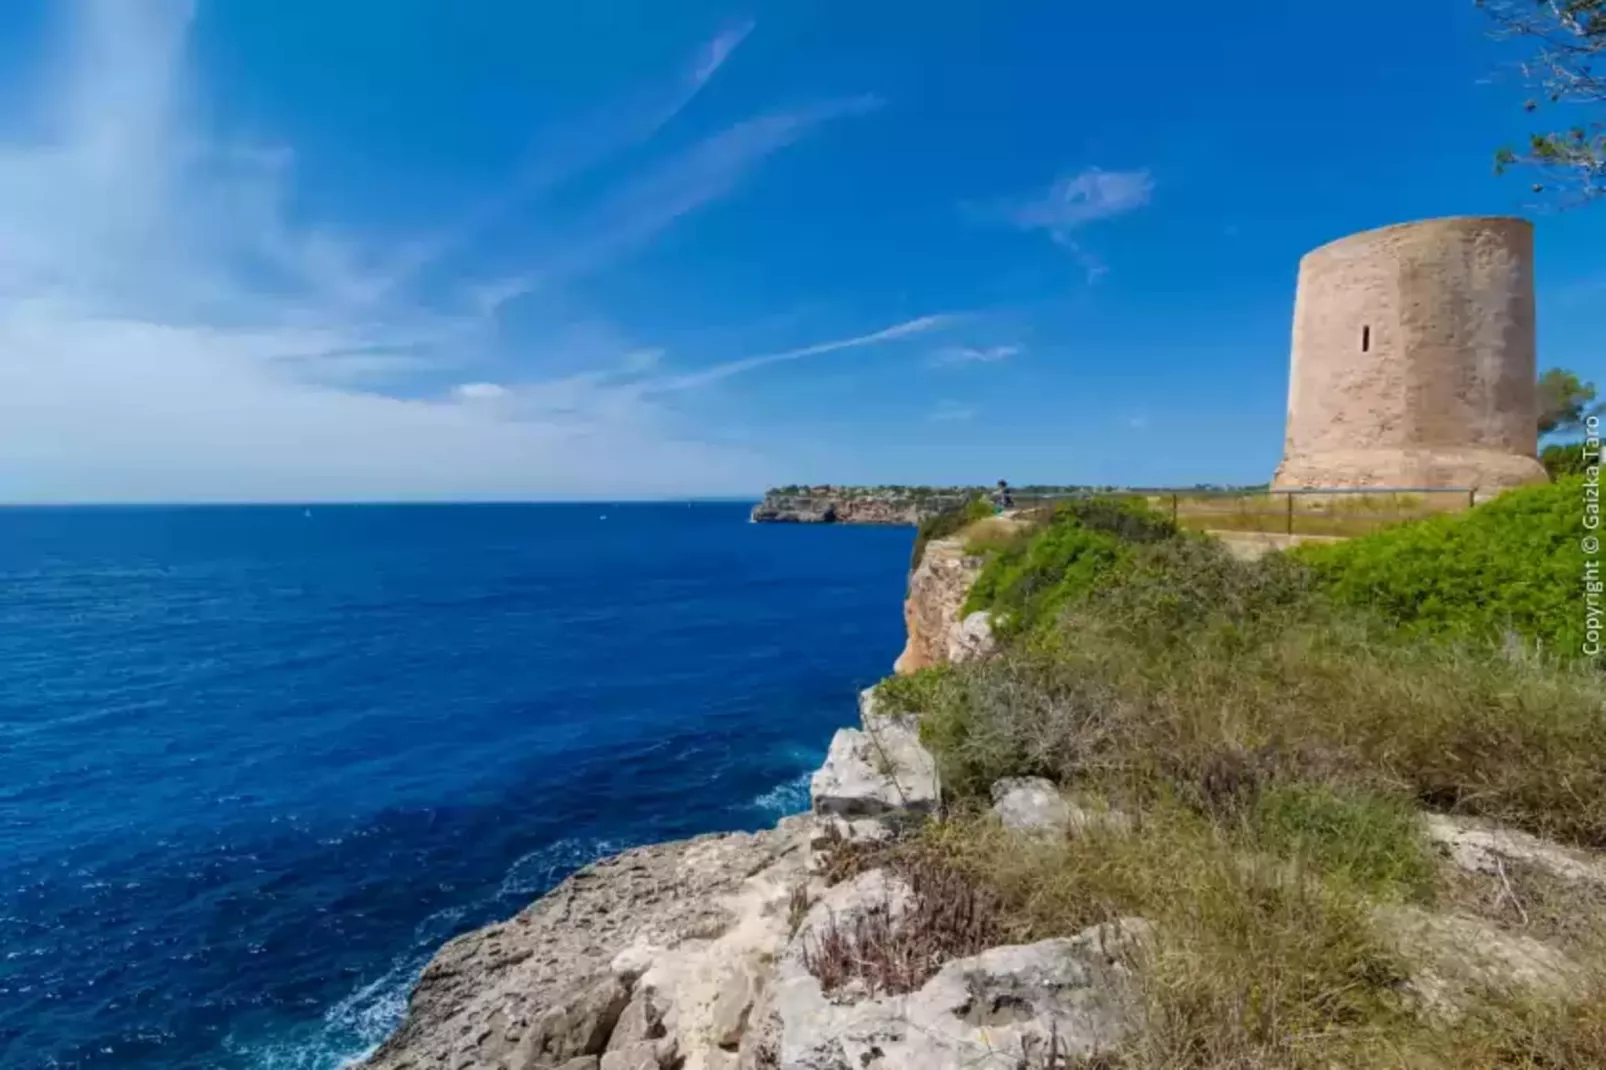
pixel 256 764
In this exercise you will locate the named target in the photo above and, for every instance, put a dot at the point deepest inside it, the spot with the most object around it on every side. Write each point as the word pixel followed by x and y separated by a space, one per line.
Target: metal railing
pixel 1335 511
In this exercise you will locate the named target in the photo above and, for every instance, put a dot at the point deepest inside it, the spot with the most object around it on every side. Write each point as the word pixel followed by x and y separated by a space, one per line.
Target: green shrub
pixel 948 522
pixel 1373 840
pixel 1129 519
pixel 1511 566
pixel 1186 671
pixel 1566 459
pixel 915 693
pixel 1171 589
pixel 1028 580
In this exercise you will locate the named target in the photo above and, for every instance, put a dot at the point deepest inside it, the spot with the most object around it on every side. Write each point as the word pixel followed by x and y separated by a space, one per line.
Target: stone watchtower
pixel 1413 359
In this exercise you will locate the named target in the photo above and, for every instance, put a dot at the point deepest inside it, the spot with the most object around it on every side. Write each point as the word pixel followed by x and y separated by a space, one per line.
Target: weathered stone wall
pixel 1413 359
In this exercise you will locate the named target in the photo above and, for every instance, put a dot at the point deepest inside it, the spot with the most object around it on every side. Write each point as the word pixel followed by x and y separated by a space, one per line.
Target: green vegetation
pixel 948 522
pixel 1566 459
pixel 1030 579
pixel 1343 515
pixel 1565 401
pixel 1567 40
pixel 1511 566
pixel 1371 840
pixel 1272 729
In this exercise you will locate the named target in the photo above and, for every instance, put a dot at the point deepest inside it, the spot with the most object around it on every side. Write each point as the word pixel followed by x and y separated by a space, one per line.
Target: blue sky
pixel 294 250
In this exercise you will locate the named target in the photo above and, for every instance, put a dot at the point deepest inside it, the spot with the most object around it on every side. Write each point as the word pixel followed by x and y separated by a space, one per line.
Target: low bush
pixel 1512 566
pixel 946 523
pixel 949 916
pixel 1029 579
pixel 1565 459
pixel 1374 841
pixel 915 693
pixel 1191 672
pixel 1273 729
pixel 1248 966
pixel 1265 962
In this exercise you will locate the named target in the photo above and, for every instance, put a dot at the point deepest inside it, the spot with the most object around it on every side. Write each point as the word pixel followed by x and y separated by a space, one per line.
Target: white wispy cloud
pixel 717 51
pixel 1071 204
pixel 1084 198
pixel 480 391
pixel 167 331
pixel 566 154
pixel 907 329
pixel 974 354
pixel 706 171
pixel 951 412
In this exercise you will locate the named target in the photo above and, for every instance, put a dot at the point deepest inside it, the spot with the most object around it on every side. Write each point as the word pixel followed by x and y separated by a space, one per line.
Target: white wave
pixel 786 798
pixel 353 1027
pixel 538 871
pixel 350 1030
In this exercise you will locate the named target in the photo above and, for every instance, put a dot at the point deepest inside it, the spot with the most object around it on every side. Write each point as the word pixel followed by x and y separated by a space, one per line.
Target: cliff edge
pixel 938 586
pixel 854 505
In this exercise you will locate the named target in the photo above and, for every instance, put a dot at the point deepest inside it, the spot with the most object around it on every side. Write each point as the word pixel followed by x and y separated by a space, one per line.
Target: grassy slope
pixel 1274 726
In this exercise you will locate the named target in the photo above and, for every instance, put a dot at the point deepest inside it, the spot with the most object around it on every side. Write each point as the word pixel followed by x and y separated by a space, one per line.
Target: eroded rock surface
pixel 1455 958
pixel 1481 847
pixel 938 587
pixel 641 946
pixel 1031 804
pixel 880 771
pixel 973 639
pixel 827 506
pixel 988 1010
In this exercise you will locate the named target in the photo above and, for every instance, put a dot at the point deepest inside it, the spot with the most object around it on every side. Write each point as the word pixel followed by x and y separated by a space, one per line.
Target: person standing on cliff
pixel 1002 499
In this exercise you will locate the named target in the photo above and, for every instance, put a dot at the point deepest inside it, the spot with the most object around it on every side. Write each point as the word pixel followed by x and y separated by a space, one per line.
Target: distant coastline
pixel 904 505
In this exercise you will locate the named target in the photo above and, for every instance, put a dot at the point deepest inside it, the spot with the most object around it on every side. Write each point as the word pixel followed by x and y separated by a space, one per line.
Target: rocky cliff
pixel 937 634
pixel 852 505
pixel 690 955
pixel 748 951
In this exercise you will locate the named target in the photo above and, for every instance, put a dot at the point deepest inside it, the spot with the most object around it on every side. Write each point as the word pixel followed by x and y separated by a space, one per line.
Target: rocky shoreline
pixel 706 954
pixel 855 505
pixel 690 954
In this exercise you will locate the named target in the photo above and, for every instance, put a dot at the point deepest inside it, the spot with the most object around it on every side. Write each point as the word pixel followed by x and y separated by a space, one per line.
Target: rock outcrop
pixel 938 586
pixel 853 505
pixel 656 958
pixel 1052 1001
pixel 647 959
pixel 879 771
pixel 1034 805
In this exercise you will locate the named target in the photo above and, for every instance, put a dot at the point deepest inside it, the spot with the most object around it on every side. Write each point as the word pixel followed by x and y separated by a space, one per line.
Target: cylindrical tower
pixel 1413 359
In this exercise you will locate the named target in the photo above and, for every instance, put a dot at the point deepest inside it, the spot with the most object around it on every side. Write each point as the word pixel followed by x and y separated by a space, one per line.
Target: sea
pixel 258 763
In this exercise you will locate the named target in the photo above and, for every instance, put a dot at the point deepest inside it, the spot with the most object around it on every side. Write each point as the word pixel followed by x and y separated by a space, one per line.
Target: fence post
pixel 1472 497
pixel 1290 512
pixel 1173 508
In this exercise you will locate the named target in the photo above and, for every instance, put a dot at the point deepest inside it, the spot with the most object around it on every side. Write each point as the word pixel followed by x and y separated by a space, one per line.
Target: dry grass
pixel 1273 751
pixel 1346 515
pixel 1256 961
pixel 992 533
pixel 883 952
pixel 1215 679
pixel 1524 899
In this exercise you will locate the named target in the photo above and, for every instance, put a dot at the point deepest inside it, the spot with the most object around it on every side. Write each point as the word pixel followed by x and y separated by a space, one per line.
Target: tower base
pixel 1487 471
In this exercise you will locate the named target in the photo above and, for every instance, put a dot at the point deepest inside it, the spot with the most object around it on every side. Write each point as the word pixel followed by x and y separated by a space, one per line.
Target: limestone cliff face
pixel 849 507
pixel 937 590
